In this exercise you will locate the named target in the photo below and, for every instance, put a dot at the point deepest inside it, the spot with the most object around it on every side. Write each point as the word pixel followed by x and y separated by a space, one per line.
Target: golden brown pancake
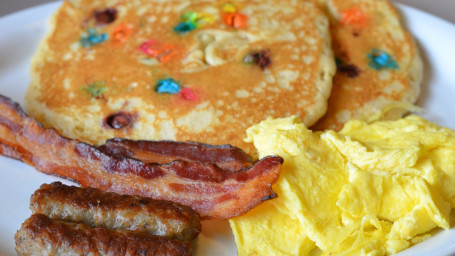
pixel 180 70
pixel 379 67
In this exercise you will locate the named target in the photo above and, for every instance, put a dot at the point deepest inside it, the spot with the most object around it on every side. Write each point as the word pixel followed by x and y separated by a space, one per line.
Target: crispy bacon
pixel 226 157
pixel 205 187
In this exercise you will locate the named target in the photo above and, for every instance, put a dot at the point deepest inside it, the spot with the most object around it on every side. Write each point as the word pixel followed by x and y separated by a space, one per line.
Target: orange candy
pixel 166 53
pixel 235 19
pixel 354 17
pixel 121 34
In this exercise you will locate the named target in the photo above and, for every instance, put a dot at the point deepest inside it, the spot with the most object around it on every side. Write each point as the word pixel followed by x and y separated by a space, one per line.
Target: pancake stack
pixel 379 67
pixel 180 70
pixel 207 70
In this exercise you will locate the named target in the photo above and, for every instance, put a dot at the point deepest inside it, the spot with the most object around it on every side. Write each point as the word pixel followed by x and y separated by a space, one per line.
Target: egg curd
pixel 371 189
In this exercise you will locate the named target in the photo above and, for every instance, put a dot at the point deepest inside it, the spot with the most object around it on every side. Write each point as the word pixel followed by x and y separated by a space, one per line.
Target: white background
pixel 442 8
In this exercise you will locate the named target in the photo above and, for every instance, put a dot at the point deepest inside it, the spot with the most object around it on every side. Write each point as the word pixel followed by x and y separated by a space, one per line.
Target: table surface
pixel 441 8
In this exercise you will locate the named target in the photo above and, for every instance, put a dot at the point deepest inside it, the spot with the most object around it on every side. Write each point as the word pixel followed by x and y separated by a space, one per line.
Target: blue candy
pixel 92 38
pixel 184 27
pixel 167 86
pixel 338 62
pixel 381 60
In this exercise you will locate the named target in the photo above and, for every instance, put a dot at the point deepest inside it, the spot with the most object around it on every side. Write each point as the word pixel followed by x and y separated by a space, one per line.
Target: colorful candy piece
pixel 232 17
pixel 95 89
pixel 354 17
pixel 188 94
pixel 338 61
pixel 204 19
pixel 229 7
pixel 168 85
pixel 162 52
pixel 121 33
pixel 381 60
pixel 146 47
pixel 260 58
pixel 192 20
pixel 184 27
pixel 349 69
pixel 235 20
pixel 119 120
pixel 92 37
pixel 105 16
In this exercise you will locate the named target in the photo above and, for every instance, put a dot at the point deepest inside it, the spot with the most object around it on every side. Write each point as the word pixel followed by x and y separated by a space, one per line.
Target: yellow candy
pixel 204 19
pixel 229 7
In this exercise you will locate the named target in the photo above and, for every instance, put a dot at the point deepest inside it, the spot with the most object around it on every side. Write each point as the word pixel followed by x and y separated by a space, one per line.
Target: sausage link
pixel 97 208
pixel 40 235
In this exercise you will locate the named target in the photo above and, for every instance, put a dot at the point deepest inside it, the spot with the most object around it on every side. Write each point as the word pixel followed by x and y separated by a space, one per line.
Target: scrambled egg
pixel 371 189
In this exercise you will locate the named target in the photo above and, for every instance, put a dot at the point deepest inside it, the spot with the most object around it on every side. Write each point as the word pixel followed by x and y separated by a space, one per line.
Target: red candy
pixel 187 94
pixel 162 52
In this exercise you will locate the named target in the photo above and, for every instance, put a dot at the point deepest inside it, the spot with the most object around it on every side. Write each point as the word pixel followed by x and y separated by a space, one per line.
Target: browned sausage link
pixel 96 208
pixel 40 235
pixel 226 157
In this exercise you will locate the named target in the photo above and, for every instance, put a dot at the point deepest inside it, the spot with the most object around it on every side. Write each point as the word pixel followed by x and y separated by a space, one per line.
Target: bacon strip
pixel 227 157
pixel 208 189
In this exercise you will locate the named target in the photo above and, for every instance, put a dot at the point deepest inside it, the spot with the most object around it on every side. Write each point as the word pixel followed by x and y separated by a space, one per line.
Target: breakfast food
pixel 96 208
pixel 40 235
pixel 209 190
pixel 69 220
pixel 180 70
pixel 371 189
pixel 227 157
pixel 379 67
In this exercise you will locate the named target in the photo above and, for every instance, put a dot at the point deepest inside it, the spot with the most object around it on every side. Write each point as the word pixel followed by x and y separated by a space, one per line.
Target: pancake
pixel 180 70
pixel 379 68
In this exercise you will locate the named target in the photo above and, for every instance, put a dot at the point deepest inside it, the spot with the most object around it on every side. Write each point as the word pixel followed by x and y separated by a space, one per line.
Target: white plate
pixel 19 38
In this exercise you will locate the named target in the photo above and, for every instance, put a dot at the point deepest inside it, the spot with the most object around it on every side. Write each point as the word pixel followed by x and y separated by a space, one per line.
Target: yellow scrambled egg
pixel 371 189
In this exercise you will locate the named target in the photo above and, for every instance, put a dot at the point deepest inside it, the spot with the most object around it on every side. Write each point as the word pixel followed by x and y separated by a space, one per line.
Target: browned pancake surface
pixel 100 72
pixel 364 87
